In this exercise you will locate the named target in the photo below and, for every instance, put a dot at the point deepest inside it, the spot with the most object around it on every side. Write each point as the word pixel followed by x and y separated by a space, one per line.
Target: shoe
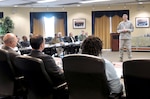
pixel 121 59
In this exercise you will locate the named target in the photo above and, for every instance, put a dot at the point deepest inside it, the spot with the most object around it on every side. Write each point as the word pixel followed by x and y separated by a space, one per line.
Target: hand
pixel 124 31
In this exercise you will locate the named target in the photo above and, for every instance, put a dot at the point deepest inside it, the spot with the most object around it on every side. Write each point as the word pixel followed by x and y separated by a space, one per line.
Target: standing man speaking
pixel 125 28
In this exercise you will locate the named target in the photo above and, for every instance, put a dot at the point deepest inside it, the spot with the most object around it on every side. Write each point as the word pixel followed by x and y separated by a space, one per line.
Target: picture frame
pixel 79 23
pixel 142 22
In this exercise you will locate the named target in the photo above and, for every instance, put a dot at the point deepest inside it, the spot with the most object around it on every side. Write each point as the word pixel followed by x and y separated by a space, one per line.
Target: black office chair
pixel 86 78
pixel 76 38
pixel 6 75
pixel 136 75
pixel 39 84
pixel 65 39
pixel 48 40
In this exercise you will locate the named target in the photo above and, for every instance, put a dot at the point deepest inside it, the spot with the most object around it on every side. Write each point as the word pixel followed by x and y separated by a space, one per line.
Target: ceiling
pixel 66 3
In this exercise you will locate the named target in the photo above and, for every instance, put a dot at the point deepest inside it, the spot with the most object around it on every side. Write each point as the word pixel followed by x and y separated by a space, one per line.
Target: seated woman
pixel 93 46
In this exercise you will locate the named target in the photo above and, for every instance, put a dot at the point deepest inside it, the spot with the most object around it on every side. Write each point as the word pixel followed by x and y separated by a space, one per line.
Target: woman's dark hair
pixel 92 46
pixel 36 41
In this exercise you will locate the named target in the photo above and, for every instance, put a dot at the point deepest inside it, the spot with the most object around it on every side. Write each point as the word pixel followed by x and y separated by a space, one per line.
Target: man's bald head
pixel 10 40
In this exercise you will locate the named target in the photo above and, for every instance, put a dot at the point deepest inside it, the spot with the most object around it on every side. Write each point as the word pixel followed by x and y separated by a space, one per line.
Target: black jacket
pixel 52 69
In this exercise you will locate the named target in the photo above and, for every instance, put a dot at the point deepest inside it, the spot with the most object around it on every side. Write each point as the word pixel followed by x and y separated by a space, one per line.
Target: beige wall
pixel 21 17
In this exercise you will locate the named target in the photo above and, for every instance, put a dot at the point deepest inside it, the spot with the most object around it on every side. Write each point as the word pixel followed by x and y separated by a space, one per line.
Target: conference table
pixel 49 48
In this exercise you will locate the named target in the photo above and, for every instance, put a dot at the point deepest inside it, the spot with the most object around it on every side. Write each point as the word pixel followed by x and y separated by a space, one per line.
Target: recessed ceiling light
pixel 44 1
pixel 15 5
pixel 140 2
pixel 91 1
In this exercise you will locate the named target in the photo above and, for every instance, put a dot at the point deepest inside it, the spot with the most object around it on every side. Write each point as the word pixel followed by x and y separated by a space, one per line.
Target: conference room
pixel 95 18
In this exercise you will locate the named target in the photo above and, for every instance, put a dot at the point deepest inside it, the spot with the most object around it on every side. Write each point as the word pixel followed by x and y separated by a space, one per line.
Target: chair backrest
pixel 33 70
pixel 85 75
pixel 48 40
pixel 76 38
pixel 136 75
pixel 65 39
pixel 6 74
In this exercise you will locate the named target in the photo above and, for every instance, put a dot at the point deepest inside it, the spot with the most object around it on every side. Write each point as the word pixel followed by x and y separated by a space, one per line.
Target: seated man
pixel 93 46
pixel 10 42
pixel 55 73
pixel 73 48
pixel 60 37
pixel 82 36
pixel 25 42
pixel 57 39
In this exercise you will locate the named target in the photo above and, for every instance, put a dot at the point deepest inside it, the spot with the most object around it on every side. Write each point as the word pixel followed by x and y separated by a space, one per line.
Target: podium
pixel 114 41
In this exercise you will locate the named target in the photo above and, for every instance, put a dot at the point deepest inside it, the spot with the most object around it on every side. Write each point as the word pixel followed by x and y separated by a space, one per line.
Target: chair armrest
pixel 61 91
pixel 61 86
pixel 21 77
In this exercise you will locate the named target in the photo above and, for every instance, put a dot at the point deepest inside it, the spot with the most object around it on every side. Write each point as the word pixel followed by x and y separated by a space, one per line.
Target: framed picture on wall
pixel 79 23
pixel 142 22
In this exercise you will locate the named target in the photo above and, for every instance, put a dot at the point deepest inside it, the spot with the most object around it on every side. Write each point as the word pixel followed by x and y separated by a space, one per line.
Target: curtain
pixel 115 21
pixel 38 26
pixel 102 28
pixel 59 26
pixel 36 22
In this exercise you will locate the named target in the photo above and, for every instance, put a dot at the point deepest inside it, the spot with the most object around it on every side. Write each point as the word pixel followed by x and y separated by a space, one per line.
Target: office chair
pixel 136 74
pixel 48 40
pixel 38 82
pixel 85 76
pixel 76 38
pixel 6 75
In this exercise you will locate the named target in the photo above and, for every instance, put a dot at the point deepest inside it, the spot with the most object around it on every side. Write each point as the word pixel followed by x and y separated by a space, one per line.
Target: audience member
pixel 55 40
pixel 10 42
pixel 73 48
pixel 82 36
pixel 93 46
pixel 56 74
pixel 60 37
pixel 25 42
pixel 71 39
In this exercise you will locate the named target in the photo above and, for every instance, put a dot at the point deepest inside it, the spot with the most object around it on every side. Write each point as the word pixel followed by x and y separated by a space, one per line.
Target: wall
pixel 21 17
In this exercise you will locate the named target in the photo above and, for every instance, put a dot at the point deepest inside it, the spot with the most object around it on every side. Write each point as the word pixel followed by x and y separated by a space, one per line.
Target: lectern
pixel 114 41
